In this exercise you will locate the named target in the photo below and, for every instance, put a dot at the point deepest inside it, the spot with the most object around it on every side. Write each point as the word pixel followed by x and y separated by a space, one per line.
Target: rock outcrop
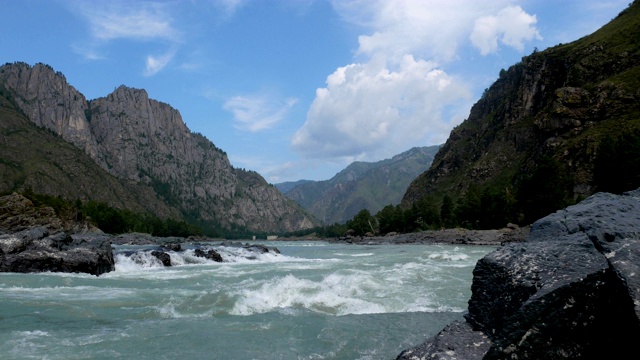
pixel 36 250
pixel 164 254
pixel 209 254
pixel 570 291
pixel 35 239
pixel 144 141
pixel 32 157
pixel 17 213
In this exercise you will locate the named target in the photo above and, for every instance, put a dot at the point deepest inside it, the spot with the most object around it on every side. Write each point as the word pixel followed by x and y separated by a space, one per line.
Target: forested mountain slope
pixel 361 185
pixel 556 127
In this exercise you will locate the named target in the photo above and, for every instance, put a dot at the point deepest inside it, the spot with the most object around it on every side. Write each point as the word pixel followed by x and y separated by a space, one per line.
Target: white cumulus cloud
pixel 256 113
pixel 398 93
pixel 511 26
pixel 367 110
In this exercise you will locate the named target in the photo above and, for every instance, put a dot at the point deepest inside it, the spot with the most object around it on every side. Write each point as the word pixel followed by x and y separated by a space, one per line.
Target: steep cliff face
pixel 144 141
pixel 362 185
pixel 558 103
pixel 34 158
pixel 50 102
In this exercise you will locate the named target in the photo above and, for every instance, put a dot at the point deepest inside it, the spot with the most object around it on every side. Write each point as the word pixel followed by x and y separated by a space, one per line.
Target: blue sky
pixel 298 89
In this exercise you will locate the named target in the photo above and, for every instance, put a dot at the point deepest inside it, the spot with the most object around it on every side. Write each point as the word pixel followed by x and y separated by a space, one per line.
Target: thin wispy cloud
pixel 110 21
pixel 256 113
pixel 157 63
pixel 229 7
pixel 133 20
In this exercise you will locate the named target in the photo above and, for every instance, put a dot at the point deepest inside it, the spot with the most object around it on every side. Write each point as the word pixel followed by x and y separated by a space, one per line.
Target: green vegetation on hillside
pixel 112 220
pixel 546 189
pixel 553 129
pixel 361 185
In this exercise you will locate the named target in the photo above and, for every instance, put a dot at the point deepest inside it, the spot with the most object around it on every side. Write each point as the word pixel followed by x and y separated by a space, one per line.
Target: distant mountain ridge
pixel 361 185
pixel 545 116
pixel 142 141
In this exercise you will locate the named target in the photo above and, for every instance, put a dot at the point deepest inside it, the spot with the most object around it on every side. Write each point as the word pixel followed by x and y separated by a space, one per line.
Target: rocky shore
pixel 458 236
pixel 569 291
pixel 568 288
pixel 35 239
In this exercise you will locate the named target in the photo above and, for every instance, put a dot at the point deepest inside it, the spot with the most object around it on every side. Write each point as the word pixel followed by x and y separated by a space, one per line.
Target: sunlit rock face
pixel 142 140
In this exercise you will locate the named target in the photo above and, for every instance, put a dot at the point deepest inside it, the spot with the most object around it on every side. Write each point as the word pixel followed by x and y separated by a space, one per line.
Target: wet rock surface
pixel 569 291
pixel 36 250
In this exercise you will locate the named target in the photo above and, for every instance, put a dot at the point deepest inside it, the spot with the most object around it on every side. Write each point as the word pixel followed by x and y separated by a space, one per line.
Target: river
pixel 315 300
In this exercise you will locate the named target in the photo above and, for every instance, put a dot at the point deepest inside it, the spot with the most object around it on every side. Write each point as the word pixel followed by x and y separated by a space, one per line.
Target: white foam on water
pixel 170 311
pixel 334 294
pixel 241 255
pixel 355 255
pixel 142 260
pixel 445 255
pixel 67 292
pixel 24 344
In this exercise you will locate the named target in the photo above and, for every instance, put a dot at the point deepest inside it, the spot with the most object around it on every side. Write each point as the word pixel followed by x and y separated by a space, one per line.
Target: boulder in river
pixel 164 258
pixel 570 290
pixel 36 250
pixel 209 254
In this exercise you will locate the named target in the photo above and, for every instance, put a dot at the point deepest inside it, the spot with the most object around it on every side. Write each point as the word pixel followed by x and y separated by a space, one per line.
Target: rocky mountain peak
pixel 50 102
pixel 139 139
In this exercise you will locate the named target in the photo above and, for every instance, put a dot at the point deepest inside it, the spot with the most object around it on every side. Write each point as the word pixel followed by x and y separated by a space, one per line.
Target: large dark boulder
pixel 36 250
pixel 570 291
pixel 164 258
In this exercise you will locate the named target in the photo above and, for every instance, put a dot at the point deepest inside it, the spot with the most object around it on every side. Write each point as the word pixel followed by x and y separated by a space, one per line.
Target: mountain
pixel 537 132
pixel 287 186
pixel 56 167
pixel 361 185
pixel 142 142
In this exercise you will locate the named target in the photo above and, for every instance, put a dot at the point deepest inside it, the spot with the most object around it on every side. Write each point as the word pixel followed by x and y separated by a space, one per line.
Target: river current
pixel 315 300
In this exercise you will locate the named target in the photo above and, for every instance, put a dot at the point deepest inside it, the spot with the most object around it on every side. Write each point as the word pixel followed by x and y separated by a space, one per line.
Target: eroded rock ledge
pixel 37 250
pixel 569 291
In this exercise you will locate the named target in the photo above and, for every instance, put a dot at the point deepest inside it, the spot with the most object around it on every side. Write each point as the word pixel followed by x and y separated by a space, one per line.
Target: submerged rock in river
pixel 570 291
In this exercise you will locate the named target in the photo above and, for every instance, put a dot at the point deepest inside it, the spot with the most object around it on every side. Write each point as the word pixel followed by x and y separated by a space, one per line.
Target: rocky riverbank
pixel 34 239
pixel 570 290
pixel 458 236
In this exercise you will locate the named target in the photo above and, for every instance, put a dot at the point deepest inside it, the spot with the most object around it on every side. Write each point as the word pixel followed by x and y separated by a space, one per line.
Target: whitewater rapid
pixel 311 301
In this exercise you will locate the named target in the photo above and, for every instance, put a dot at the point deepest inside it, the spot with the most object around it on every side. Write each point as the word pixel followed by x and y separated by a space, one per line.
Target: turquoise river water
pixel 315 300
